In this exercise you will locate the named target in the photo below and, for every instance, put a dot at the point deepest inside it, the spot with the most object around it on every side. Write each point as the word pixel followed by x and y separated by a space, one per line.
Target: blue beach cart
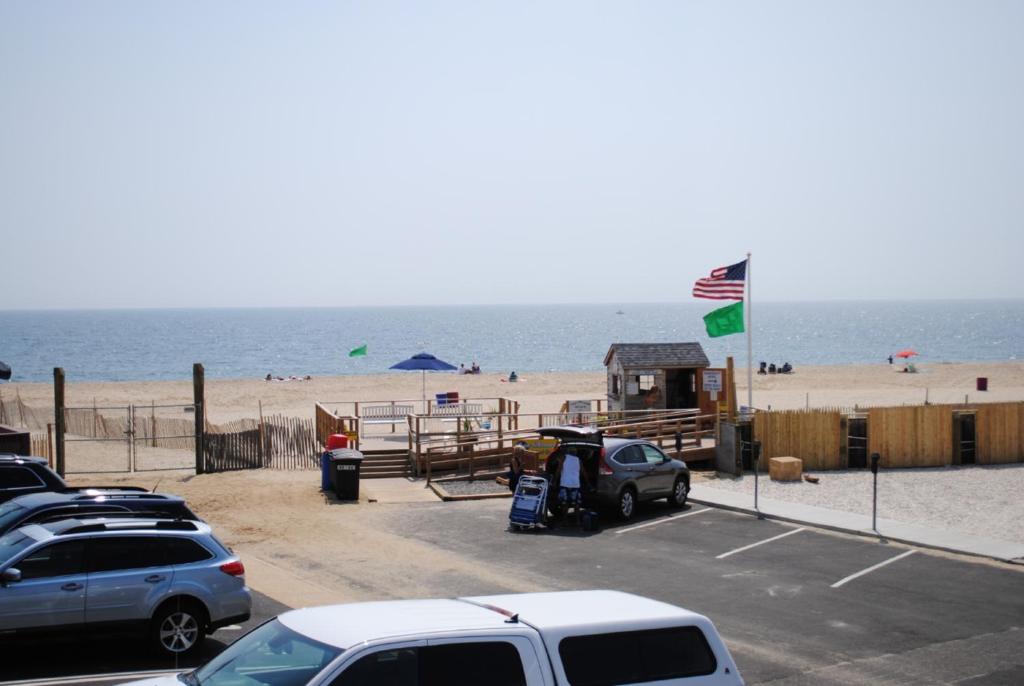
pixel 529 504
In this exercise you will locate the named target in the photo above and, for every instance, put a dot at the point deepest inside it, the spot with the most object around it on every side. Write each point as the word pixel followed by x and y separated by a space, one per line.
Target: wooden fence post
pixel 199 398
pixel 58 415
pixel 260 452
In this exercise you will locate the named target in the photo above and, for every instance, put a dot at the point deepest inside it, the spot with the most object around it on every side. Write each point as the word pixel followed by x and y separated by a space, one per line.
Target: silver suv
pixel 171 578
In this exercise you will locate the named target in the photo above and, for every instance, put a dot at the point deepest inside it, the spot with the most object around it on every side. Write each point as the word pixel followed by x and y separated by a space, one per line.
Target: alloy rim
pixel 179 632
pixel 627 503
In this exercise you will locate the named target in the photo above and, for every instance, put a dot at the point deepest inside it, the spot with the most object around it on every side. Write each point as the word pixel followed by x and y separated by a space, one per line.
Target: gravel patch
pixel 986 501
pixel 482 486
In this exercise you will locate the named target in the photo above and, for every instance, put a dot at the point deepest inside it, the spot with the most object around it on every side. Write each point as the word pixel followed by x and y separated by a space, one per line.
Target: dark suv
pixel 37 508
pixel 21 475
pixel 623 471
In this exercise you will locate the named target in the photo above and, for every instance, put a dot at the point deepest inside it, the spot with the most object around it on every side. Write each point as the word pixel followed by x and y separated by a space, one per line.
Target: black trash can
pixel 345 464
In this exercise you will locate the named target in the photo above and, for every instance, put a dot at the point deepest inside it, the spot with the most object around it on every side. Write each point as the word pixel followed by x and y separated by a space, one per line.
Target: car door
pixel 662 474
pixel 632 466
pixel 51 592
pixel 127 576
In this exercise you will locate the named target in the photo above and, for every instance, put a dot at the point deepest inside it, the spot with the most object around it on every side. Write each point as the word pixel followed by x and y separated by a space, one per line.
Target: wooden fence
pixel 907 436
pixel 919 436
pixel 1000 431
pixel 812 435
pixel 277 442
pixel 41 443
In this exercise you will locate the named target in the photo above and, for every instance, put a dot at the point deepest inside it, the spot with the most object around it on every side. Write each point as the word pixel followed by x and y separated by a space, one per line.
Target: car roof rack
pixel 127 524
pixel 106 514
pixel 123 495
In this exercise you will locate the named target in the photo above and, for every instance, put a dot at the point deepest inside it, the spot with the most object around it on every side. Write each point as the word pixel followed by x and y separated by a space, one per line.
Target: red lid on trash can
pixel 337 441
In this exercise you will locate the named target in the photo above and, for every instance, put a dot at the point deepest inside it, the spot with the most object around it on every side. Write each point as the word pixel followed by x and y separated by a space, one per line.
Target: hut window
pixel 645 382
pixel 615 384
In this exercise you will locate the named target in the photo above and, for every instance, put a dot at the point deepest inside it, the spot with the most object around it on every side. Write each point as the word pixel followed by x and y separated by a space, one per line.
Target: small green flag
pixel 358 352
pixel 724 321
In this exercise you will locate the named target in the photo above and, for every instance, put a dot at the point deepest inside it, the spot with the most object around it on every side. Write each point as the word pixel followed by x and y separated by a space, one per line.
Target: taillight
pixel 234 568
pixel 602 466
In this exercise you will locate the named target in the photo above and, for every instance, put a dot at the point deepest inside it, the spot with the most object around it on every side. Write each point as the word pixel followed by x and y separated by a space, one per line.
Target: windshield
pixel 13 543
pixel 10 512
pixel 271 654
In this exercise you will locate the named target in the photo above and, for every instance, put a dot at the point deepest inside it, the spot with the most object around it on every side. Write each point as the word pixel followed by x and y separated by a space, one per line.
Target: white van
pixel 575 638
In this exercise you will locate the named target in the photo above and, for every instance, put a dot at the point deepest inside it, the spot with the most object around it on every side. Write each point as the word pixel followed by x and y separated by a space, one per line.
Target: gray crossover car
pixel 623 471
pixel 170 578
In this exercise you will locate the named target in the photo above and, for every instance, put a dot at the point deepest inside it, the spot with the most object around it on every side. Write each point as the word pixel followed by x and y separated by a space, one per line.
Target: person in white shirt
pixel 569 482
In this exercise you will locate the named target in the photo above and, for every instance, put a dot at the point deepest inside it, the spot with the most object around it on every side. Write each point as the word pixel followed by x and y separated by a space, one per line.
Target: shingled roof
pixel 658 355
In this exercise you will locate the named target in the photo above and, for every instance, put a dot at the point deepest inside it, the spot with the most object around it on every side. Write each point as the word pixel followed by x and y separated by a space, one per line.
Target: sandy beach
pixel 821 386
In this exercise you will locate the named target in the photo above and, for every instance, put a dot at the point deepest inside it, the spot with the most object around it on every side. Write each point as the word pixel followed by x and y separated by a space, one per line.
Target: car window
pixel 10 513
pixel 629 454
pixel 13 543
pixel 636 657
pixel 271 654
pixel 57 559
pixel 494 663
pixel 125 552
pixel 383 668
pixel 19 477
pixel 182 551
pixel 652 455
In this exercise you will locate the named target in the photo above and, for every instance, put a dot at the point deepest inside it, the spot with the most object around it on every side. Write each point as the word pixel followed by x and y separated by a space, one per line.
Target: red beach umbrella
pixel 906 353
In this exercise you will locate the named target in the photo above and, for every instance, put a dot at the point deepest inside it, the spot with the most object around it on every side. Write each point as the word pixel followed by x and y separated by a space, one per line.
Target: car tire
pixel 680 491
pixel 178 627
pixel 627 504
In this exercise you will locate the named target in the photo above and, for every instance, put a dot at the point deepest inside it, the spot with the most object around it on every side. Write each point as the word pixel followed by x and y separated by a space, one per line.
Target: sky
pixel 196 154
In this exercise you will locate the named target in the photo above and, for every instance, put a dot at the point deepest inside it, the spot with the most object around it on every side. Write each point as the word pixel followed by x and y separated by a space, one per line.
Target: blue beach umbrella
pixel 424 362
pixel 5 371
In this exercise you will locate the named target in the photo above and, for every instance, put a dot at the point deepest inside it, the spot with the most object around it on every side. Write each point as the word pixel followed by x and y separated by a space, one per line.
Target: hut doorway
pixel 857 443
pixel 680 389
pixel 964 437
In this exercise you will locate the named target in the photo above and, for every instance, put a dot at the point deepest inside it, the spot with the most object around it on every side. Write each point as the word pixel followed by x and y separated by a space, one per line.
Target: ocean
pixel 122 345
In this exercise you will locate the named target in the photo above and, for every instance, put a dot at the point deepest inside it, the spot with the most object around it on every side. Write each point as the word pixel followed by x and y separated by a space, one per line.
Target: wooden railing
pixel 470 450
pixel 327 423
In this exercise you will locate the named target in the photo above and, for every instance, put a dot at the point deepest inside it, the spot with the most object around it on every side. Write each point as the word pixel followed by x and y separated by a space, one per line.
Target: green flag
pixel 725 320
pixel 361 351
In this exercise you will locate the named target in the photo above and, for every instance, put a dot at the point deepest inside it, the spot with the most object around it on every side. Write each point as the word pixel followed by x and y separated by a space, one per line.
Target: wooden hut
pixel 657 376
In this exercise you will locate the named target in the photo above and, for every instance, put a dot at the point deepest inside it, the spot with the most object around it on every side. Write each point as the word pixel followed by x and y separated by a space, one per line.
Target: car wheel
pixel 178 628
pixel 627 503
pixel 680 489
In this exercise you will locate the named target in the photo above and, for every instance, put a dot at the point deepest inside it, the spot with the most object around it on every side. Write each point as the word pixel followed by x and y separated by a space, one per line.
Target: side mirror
pixel 10 576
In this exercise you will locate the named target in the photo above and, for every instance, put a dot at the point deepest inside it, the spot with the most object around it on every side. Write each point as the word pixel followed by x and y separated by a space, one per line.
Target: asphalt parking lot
pixel 796 605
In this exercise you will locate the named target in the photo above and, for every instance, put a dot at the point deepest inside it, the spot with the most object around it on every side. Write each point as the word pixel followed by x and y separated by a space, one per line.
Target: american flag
pixel 725 283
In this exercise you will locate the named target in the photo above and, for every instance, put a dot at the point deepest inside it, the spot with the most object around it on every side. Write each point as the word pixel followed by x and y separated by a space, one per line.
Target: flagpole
pixel 750 345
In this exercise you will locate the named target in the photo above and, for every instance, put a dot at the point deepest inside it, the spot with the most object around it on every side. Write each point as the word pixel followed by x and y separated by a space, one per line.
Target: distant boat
pixel 620 312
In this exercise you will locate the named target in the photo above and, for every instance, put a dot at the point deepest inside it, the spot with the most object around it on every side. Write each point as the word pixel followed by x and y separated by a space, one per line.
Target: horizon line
pixel 130 308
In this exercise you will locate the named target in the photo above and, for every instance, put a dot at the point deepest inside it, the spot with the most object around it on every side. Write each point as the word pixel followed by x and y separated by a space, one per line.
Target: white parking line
pixel 754 545
pixel 872 568
pixel 662 521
